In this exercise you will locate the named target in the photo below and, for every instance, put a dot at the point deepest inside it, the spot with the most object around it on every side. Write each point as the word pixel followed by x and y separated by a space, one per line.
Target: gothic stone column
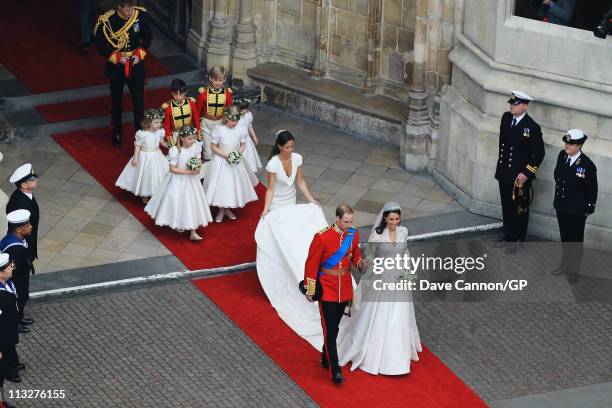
pixel 199 27
pixel 244 52
pixel 416 139
pixel 217 47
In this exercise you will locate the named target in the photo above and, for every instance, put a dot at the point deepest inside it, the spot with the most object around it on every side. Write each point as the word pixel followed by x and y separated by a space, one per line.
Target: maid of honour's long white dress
pixel 380 337
pixel 283 237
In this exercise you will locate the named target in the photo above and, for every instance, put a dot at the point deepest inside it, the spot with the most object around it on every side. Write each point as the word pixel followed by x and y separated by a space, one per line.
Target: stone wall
pixel 497 52
pixel 364 43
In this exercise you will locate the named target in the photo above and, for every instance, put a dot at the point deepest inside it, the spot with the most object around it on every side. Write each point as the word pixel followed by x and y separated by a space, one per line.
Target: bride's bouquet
pixel 194 163
pixel 234 158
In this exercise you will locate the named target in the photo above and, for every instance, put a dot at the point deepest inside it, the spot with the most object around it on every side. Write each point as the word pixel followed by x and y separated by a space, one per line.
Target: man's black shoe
pixel 26 322
pixel 501 243
pixel 572 279
pixel 338 378
pixel 557 272
pixel 20 366
pixel 16 380
pixel 23 329
pixel 116 139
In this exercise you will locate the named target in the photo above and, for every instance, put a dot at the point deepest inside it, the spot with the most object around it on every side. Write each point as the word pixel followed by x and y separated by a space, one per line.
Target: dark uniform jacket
pixel 20 201
pixel 576 185
pixel 18 252
pixel 8 318
pixel 137 40
pixel 521 149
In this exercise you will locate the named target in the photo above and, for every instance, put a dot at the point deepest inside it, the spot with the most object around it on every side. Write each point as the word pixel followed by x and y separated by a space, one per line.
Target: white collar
pixel 518 119
pixel 30 195
pixel 574 157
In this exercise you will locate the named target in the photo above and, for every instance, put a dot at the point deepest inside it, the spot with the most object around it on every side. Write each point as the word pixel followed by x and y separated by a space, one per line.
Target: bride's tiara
pixel 279 132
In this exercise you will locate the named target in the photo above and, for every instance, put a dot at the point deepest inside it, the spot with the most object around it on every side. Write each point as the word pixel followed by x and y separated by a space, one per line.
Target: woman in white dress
pixel 179 202
pixel 283 236
pixel 148 166
pixel 246 123
pixel 229 185
pixel 382 337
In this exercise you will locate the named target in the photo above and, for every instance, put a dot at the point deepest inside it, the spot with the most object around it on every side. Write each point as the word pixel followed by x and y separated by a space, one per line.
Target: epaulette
pixel 106 16
pixel 230 90
pixel 165 105
pixel 192 99
pixel 201 89
pixel 141 8
pixel 324 229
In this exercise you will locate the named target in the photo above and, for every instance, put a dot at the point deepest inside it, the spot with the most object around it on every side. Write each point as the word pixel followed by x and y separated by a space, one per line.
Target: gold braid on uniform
pixel 117 39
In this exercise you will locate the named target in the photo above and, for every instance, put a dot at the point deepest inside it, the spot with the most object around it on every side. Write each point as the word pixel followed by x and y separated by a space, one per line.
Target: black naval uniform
pixel 20 201
pixel 575 199
pixel 114 38
pixel 9 322
pixel 521 150
pixel 18 251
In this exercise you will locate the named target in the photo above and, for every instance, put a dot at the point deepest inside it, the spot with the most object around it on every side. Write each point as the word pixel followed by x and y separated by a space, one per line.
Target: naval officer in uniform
pixel 521 150
pixel 575 199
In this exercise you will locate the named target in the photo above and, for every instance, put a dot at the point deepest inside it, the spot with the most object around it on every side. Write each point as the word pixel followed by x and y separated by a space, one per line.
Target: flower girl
pixel 180 202
pixel 148 165
pixel 246 123
pixel 229 183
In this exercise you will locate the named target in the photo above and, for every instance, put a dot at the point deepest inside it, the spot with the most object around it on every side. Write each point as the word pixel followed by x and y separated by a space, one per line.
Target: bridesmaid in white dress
pixel 246 123
pixel 227 185
pixel 148 166
pixel 382 337
pixel 179 202
pixel 283 236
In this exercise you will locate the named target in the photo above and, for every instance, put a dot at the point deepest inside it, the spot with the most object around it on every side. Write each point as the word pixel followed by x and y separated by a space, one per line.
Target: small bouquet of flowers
pixel 234 158
pixel 194 163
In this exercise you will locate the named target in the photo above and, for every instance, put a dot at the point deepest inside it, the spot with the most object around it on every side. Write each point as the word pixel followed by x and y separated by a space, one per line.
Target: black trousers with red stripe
pixel 331 314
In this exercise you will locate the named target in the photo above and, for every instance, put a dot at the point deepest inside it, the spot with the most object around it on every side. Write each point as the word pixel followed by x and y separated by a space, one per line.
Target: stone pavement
pixel 111 348
pixel 155 346
pixel 82 225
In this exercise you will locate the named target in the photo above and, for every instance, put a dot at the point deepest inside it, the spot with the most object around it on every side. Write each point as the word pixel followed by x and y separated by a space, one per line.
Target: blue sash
pixel 339 254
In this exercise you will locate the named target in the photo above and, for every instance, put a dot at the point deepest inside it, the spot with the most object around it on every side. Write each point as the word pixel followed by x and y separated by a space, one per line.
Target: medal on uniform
pixel 581 172
pixel 136 27
pixel 526 132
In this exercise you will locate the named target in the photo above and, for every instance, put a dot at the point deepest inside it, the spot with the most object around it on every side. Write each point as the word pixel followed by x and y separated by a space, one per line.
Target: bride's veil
pixel 391 205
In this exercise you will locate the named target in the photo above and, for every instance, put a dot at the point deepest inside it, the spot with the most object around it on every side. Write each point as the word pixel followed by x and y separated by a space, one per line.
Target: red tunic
pixel 324 244
pixel 170 122
pixel 212 102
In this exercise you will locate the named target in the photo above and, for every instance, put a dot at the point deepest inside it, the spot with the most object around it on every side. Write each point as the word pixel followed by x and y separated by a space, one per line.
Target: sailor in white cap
pixel 15 244
pixel 9 322
pixel 23 199
pixel 521 150
pixel 575 199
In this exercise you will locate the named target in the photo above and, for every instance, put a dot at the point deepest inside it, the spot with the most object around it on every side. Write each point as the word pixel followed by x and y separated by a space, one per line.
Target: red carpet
pixel 225 244
pixel 89 108
pixel 41 46
pixel 430 384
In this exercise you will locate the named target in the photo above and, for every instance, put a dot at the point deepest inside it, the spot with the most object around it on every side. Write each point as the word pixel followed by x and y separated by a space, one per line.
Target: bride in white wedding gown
pixel 283 237
pixel 381 336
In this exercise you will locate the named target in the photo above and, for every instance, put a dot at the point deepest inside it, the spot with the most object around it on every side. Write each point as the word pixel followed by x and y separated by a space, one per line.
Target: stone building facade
pixel 446 68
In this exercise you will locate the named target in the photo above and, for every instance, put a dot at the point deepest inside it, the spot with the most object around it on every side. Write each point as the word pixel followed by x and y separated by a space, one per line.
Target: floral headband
pixel 187 131
pixel 230 116
pixel 153 114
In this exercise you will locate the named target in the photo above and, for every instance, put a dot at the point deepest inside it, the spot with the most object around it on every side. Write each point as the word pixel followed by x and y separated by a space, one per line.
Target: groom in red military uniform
pixel 331 252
